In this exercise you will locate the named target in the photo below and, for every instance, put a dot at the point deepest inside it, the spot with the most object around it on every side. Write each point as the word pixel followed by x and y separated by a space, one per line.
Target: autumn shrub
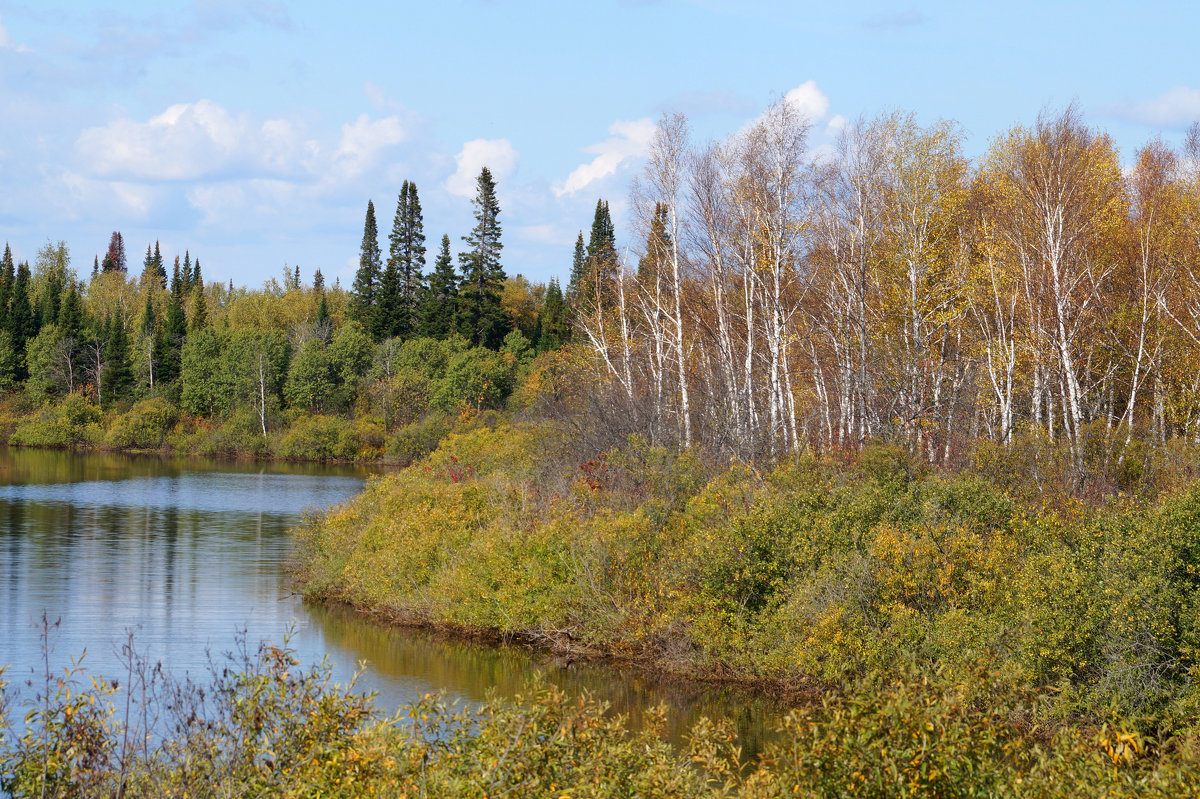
pixel 70 422
pixel 143 426
pixel 318 437
pixel 416 439
pixel 239 436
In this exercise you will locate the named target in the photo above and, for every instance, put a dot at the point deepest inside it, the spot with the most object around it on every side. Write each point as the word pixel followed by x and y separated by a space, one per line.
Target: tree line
pixel 894 289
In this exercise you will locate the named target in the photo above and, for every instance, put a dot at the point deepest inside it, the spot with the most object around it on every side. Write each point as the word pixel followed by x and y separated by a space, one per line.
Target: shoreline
pixel 786 693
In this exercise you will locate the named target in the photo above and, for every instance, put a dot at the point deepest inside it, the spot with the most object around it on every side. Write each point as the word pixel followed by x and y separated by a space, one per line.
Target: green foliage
pixel 417 439
pixel 481 317
pixel 477 378
pixel 72 422
pixel 143 426
pixel 318 438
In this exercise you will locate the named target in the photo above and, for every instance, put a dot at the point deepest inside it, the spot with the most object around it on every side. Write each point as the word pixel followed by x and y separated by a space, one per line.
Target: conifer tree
pixel 174 329
pixel 159 269
pixel 553 325
pixel 481 316
pixel 95 266
pixel 197 280
pixel 440 297
pixel 199 310
pixel 578 269
pixel 118 374
pixel 21 322
pixel 406 259
pixel 600 266
pixel 70 313
pixel 366 280
pixel 7 276
pixel 114 259
pixel 658 245
pixel 186 273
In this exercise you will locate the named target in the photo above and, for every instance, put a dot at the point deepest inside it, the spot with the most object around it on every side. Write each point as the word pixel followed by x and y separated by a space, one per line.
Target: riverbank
pixel 156 426
pixel 825 572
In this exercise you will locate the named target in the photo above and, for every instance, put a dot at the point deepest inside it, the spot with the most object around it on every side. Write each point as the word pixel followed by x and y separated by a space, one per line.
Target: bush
pixel 144 426
pixel 319 438
pixel 72 422
pixel 417 439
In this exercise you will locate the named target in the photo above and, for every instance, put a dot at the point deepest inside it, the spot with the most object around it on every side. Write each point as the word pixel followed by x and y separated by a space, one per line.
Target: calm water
pixel 185 554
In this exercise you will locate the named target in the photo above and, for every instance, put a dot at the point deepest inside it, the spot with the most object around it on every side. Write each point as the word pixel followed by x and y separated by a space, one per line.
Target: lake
pixel 185 554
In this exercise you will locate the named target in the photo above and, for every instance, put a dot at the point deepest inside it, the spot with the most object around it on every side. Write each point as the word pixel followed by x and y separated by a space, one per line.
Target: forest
pixel 905 439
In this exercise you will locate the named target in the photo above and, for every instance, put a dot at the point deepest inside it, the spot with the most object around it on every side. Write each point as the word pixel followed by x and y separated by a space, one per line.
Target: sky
pixel 253 133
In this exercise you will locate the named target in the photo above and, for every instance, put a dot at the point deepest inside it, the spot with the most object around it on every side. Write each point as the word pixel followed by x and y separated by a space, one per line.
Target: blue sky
pixel 253 133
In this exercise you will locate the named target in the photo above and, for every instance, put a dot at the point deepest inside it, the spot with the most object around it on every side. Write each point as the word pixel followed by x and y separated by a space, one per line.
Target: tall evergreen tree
pixel 600 267
pixel 440 297
pixel 406 258
pixel 118 374
pixel 174 329
pixel 21 322
pixel 7 276
pixel 186 273
pixel 199 310
pixel 553 324
pixel 658 245
pixel 159 269
pixel 114 259
pixel 197 280
pixel 366 280
pixel 70 313
pixel 481 317
pixel 578 269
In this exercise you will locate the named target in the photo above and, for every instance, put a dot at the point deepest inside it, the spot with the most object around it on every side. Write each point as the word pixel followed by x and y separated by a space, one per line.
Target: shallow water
pixel 184 554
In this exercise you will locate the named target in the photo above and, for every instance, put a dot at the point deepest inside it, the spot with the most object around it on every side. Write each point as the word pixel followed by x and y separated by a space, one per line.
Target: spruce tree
pixel 481 317
pixel 70 313
pixel 199 310
pixel 21 322
pixel 553 327
pixel 385 319
pixel 174 330
pixel 198 279
pixel 600 267
pixel 114 259
pixel 406 257
pixel 186 274
pixel 118 374
pixel 440 297
pixel 159 269
pixel 366 280
pixel 658 244
pixel 7 276
pixel 578 269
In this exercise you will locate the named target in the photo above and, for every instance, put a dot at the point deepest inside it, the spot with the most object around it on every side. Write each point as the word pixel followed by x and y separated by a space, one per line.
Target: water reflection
pixel 187 553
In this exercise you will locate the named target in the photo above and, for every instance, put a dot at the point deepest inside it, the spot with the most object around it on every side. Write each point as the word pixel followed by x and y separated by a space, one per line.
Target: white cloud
pixel 631 140
pixel 498 155
pixel 808 100
pixel 191 141
pixel 1178 106
pixel 363 140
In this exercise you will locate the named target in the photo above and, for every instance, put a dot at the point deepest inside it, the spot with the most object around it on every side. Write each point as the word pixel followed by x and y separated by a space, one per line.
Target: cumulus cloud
pixel 363 140
pixel 498 155
pixel 808 100
pixel 1178 106
pixel 630 141
pixel 192 141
